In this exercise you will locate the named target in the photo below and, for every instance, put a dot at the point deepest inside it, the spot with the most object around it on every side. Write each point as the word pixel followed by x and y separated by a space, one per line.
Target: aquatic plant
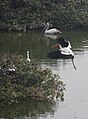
pixel 20 79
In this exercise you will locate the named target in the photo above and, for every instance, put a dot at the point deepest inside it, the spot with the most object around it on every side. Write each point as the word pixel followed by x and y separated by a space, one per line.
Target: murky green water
pixel 75 105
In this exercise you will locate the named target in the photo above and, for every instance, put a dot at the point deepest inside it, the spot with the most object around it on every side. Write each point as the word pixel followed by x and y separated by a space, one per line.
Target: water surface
pixel 75 104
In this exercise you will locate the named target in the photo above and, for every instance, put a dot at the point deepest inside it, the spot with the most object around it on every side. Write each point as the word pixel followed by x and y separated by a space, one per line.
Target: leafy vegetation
pixel 28 109
pixel 28 14
pixel 20 79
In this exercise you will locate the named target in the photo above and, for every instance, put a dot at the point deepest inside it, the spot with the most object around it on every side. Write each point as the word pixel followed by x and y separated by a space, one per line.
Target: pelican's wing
pixel 52 31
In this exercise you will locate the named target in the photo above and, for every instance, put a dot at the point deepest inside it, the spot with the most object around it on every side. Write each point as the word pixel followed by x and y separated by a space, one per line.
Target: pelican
pixel 28 56
pixel 51 31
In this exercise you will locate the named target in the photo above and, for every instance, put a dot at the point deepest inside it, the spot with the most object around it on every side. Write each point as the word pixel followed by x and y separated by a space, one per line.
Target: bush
pixel 20 79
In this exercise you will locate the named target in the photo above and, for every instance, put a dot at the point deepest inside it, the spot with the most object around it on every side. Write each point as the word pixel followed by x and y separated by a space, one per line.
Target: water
pixel 75 104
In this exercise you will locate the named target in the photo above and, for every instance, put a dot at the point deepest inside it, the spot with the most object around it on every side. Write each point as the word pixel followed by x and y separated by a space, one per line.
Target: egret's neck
pixel 28 56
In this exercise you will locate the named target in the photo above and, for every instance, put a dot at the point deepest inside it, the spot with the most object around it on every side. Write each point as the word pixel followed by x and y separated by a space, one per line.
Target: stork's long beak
pixel 56 46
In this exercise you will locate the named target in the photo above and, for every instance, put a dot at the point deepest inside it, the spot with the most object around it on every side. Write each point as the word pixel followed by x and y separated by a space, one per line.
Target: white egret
pixel 28 56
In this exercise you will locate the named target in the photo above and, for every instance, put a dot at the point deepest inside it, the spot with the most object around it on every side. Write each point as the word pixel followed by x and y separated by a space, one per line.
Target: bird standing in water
pixel 51 31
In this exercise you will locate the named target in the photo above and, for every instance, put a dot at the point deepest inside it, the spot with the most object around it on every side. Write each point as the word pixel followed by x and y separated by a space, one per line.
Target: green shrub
pixel 27 81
